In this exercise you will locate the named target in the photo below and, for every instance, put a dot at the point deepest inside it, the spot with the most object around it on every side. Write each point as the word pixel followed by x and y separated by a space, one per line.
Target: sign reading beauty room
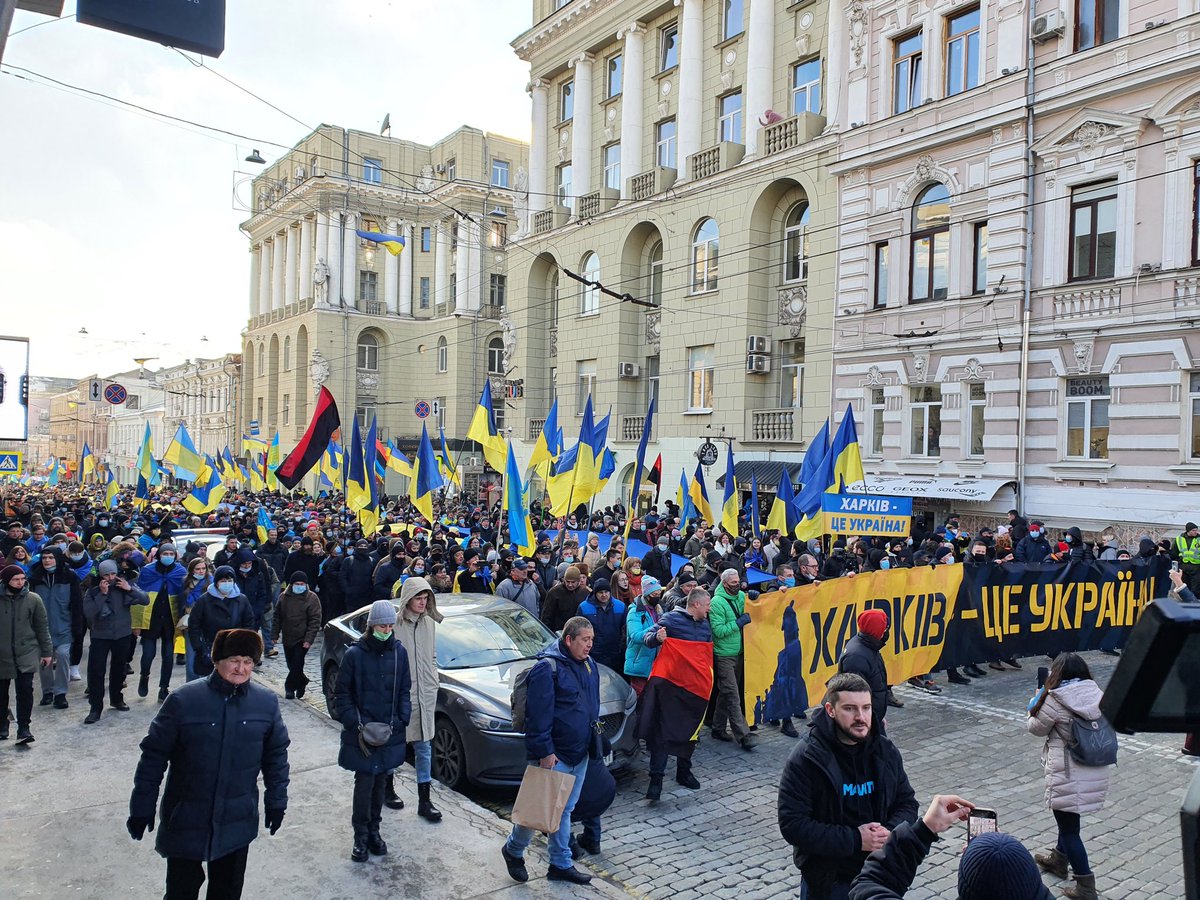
pixel 867 515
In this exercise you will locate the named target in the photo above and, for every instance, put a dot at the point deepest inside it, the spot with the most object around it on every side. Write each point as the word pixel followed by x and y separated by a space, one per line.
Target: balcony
pixel 631 429
pixel 535 429
pixel 790 133
pixel 373 308
pixel 1083 304
pixel 647 184
pixel 549 219
pixel 772 426
pixel 491 311
pixel 714 160
pixel 1187 296
pixel 597 202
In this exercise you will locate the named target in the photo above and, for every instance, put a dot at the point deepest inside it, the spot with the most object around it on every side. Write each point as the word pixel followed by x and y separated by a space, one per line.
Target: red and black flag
pixel 307 453
pixel 676 695
pixel 655 477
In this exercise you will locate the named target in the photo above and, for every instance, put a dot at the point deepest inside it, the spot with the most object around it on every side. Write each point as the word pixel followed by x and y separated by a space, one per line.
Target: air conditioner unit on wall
pixel 758 343
pixel 628 370
pixel 1045 27
pixel 757 364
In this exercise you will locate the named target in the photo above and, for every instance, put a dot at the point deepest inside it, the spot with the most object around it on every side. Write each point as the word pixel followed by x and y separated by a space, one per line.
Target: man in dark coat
pixel 388 573
pixel 843 791
pixel 358 576
pixel 106 606
pixel 272 553
pixel 607 615
pixel 1033 548
pixel 254 581
pixel 562 601
pixel 221 606
pixel 306 560
pixel 862 656
pixel 212 737
pixel 657 562
pixel 1017 526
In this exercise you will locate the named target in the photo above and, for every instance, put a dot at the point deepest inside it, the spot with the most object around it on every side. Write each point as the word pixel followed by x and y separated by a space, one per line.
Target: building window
pixel 976 410
pixel 451 169
pixel 1096 22
pixel 586 382
pixel 426 238
pixel 453 289
pixel 906 73
pixel 664 144
pixel 705 254
pixel 1194 398
pixel 926 421
pixel 443 355
pixel 368 282
pixel 806 87
pixel 729 123
pixel 259 416
pixel 651 380
pixel 615 73
pixel 701 368
pixel 497 289
pixel 566 102
pixel 287 409
pixel 668 53
pixel 372 170
pixel 979 256
pixel 365 414
pixel 878 406
pixel 589 297
pixel 553 381
pixel 555 297
pixel 497 234
pixel 499 173
pixel 559 4
pixel 133 401
pixel 495 356
pixel 1093 250
pixel 1196 213
pixel 732 17
pixel 882 274
pixel 654 287
pixel 795 243
pixel 424 292
pixel 791 375
pixel 962 52
pixel 564 186
pixel 368 352
pixel 1087 418
pixel 612 167
pixel 287 354
pixel 930 245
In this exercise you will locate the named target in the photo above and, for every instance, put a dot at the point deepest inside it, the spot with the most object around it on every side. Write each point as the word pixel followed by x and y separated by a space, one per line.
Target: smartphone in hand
pixel 1043 674
pixel 980 821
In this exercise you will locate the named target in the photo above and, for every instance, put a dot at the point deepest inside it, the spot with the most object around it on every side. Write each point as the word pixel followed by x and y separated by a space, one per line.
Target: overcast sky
pixel 120 223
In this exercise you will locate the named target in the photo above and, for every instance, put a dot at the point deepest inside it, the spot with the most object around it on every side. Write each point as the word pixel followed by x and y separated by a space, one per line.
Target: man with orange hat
pixel 862 656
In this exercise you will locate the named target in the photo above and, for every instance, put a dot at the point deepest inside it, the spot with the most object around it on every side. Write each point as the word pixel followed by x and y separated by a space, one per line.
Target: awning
pixel 978 490
pixel 767 471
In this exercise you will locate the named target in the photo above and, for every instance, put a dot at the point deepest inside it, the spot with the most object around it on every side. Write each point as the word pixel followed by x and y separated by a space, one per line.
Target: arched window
pixel 705 250
pixel 287 354
pixel 554 297
pixel 262 359
pixel 443 355
pixel 589 297
pixel 654 274
pixel 368 352
pixel 795 243
pixel 495 356
pixel 930 270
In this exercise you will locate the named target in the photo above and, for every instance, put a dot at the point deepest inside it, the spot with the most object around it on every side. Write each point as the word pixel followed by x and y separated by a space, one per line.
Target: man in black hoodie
pixel 843 791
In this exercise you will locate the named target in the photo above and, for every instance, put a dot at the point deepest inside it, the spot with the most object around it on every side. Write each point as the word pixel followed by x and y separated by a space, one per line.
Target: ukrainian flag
pixel 816 475
pixel 331 465
pixel 729 505
pixel 274 458
pixel 111 492
pixel 699 494
pixel 449 469
pixel 608 465
pixel 368 515
pixel 520 530
pixel 181 453
pixel 640 462
pixel 783 517
pixel 483 430
pixel 358 491
pixel 264 523
pixel 393 243
pixel 87 463
pixel 426 478
pixel 208 490
pixel 398 462
pixel 543 450
pixel 847 453
pixel 53 479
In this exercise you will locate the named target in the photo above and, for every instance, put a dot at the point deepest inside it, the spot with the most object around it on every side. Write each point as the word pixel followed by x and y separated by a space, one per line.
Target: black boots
pixel 358 853
pixel 788 728
pixel 654 791
pixel 47 698
pixel 375 844
pixel 144 685
pixel 162 693
pixel 390 798
pixel 425 808
pixel 684 776
pixel 92 717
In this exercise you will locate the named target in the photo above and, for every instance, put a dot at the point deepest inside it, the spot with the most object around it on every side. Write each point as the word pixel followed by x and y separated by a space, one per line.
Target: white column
pixel 632 102
pixel 333 256
pixel 539 171
pixel 441 262
pixel 304 276
pixel 581 127
pixel 691 84
pixel 389 271
pixel 255 277
pixel 264 278
pixel 277 270
pixel 760 69
pixel 462 267
pixel 350 261
pixel 404 303
pixel 835 76
pixel 322 248
pixel 476 286
pixel 291 245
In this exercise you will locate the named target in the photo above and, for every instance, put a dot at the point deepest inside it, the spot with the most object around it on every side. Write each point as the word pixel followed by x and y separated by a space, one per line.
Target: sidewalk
pixel 66 798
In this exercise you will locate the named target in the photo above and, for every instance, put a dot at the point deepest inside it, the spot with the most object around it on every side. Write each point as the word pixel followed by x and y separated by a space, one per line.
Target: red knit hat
pixel 873 622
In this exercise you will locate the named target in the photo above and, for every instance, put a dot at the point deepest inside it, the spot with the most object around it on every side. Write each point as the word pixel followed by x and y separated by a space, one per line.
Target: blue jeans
pixel 423 759
pixel 1070 843
pixel 839 891
pixel 560 853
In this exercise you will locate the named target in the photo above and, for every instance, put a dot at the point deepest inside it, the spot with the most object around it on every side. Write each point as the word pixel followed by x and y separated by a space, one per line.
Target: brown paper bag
pixel 542 798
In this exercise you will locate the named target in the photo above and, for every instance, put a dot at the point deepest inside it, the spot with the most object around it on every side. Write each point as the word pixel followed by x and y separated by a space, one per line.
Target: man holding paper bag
pixel 561 730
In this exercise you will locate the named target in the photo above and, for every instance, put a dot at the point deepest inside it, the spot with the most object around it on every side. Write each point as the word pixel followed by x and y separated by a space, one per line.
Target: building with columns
pixel 202 395
pixel 680 156
pixel 382 332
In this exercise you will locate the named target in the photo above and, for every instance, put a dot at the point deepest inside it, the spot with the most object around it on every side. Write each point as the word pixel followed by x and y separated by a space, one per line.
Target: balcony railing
pixel 491 311
pixel 535 428
pixel 631 429
pixel 788 133
pixel 543 221
pixel 724 155
pixel 1080 304
pixel 773 425
pixel 601 201
pixel 374 307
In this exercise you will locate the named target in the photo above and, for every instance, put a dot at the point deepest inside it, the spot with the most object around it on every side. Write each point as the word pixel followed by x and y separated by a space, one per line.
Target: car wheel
pixel 449 755
pixel 328 684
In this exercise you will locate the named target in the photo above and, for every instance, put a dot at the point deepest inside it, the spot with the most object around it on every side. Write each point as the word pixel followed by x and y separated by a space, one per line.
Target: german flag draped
pixel 325 422
pixel 676 695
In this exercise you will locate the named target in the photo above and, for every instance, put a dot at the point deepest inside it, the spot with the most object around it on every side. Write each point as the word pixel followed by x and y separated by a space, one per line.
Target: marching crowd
pixel 78 573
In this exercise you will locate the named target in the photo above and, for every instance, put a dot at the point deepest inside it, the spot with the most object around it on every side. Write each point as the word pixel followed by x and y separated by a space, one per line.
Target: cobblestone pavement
pixel 723 841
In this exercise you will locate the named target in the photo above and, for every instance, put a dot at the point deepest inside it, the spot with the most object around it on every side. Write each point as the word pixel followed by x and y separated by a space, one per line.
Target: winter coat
pixel 24 632
pixel 373 685
pixel 638 656
pixel 63 599
pixel 109 616
pixel 1031 550
pixel 297 618
pixel 1078 550
pixel 562 706
pixel 722 616
pixel 256 585
pixel 385 575
pixel 215 612
pixel 680 625
pixel 358 580
pixel 331 584
pixel 274 556
pixel 308 563
pixel 212 739
pixel 811 802
pixel 1070 787
pixel 526 593
pixel 658 565
pixel 560 604
pixel 418 635
pixel 608 624
pixel 862 657
pixel 1110 551
pixel 153 580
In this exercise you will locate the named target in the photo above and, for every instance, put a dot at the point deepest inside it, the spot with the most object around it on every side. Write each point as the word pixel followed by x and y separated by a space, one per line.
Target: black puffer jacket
pixel 357 581
pixel 861 656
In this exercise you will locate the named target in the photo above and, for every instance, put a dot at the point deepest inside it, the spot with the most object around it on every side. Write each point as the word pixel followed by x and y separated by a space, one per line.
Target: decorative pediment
pixel 1089 129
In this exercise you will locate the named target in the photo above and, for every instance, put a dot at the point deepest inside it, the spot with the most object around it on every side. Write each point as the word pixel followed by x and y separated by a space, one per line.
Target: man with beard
pixel 862 656
pixel 843 791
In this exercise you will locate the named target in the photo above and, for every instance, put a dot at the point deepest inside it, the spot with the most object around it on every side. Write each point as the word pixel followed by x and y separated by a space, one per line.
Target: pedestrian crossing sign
pixel 10 463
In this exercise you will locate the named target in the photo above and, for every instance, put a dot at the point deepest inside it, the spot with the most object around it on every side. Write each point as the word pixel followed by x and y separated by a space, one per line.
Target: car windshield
pixel 490 638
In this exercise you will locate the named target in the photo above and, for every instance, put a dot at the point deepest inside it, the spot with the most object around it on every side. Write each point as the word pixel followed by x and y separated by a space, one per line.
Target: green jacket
pixel 24 632
pixel 722 618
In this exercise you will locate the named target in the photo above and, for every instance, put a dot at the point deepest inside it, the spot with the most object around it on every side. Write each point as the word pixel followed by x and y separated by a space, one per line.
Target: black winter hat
pixel 997 866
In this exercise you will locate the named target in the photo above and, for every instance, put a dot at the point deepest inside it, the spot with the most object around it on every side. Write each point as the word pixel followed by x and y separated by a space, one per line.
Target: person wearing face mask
pixel 254 582
pixel 59 589
pixel 329 581
pixel 81 563
pixel 297 622
pixel 1077 550
pixel 25 641
pixel 272 553
pixel 199 577
pixel 155 623
pixel 106 606
pixel 658 562
pixel 389 571
pixel 222 606
pixel 103 527
pixel 1034 547
pixel 592 556
pixel 545 567
pixel 416 630
pixel 358 573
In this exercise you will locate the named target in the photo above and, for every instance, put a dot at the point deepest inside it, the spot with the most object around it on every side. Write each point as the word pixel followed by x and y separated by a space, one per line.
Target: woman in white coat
pixel 1072 789
pixel 416 630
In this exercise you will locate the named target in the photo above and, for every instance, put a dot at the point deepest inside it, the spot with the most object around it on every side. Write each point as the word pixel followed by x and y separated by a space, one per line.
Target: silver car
pixel 483 643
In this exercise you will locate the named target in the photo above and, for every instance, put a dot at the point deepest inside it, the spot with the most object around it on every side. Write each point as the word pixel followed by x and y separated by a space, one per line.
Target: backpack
pixel 1094 743
pixel 520 693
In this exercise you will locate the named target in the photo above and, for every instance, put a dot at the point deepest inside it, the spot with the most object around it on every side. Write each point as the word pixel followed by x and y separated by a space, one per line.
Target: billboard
pixel 197 25
pixel 14 388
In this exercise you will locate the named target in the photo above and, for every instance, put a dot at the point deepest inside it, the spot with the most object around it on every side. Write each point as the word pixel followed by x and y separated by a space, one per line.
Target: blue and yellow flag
pixel 520 530
pixel 698 491
pixel 358 489
pixel 729 505
pixel 847 453
pixel 53 477
pixel 783 516
pixel 543 450
pixel 274 458
pixel 483 430
pixel 393 243
pixel 398 462
pixel 426 479
pixel 112 492
pixel 264 523
pixel 181 453
pixel 331 465
pixel 816 476
pixel 87 463
pixel 446 462
pixel 647 425
pixel 755 515
pixel 586 468
pixel 207 491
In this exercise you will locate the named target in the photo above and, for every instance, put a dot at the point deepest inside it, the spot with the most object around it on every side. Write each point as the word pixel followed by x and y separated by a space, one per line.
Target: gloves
pixel 743 620
pixel 137 825
pixel 273 818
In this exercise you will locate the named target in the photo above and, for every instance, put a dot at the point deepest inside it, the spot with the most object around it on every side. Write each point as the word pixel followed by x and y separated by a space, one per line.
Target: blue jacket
pixel 152 579
pixel 639 657
pixel 608 622
pixel 373 683
pixel 212 739
pixel 682 626
pixel 562 707
pixel 1030 550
